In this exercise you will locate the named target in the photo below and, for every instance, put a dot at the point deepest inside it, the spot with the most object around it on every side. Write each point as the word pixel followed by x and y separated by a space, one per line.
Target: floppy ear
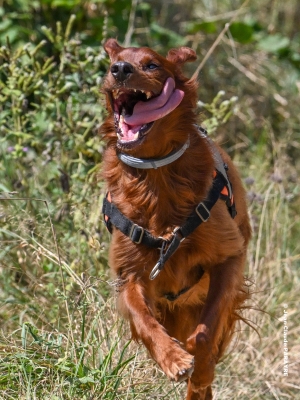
pixel 112 47
pixel 181 55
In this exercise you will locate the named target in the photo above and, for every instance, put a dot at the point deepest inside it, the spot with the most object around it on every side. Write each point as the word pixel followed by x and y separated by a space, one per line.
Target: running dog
pixel 177 212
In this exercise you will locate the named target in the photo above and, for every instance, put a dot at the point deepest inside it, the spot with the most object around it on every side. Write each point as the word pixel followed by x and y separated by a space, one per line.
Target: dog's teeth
pixel 119 130
pixel 123 113
pixel 115 93
pixel 148 94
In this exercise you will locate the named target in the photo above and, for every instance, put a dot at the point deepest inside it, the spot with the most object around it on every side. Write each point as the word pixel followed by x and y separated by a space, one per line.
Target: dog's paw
pixel 184 374
pixel 177 364
pixel 182 369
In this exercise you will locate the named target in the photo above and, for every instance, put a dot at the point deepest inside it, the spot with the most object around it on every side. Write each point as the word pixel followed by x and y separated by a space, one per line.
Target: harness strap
pixel 197 217
pixel 219 163
pixel 202 211
pixel 226 193
pixel 136 233
pixel 139 235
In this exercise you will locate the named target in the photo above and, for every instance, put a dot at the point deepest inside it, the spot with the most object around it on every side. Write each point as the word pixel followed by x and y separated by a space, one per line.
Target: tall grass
pixel 62 339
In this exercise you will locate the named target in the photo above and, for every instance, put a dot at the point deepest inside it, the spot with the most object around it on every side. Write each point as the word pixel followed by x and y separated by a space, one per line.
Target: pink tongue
pixel 156 108
pixel 128 133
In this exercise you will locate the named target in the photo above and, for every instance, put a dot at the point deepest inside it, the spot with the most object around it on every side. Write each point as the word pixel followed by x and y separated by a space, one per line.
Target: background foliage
pixel 60 336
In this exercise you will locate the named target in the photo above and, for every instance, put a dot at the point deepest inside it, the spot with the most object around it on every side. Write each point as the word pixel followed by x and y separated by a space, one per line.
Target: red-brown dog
pixel 178 249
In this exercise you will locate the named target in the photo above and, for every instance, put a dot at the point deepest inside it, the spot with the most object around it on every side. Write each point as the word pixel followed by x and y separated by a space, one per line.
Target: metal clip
pixel 160 263
pixel 167 249
pixel 155 271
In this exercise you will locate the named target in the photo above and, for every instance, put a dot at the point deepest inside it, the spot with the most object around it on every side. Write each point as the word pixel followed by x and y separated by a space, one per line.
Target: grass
pixel 101 363
pixel 254 369
pixel 61 339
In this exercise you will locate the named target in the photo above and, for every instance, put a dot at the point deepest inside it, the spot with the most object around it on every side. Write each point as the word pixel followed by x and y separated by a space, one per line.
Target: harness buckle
pixel 134 231
pixel 202 212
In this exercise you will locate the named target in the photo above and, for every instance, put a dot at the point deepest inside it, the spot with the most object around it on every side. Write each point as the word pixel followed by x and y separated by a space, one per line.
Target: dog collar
pixel 148 163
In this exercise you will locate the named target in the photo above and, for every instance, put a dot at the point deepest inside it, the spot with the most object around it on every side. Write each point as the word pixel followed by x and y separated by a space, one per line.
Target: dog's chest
pixel 173 288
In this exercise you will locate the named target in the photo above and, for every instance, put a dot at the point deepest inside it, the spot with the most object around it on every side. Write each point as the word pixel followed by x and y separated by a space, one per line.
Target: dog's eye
pixel 151 66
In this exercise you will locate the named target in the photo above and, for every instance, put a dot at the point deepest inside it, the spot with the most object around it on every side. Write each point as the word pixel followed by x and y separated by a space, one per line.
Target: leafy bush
pixel 25 20
pixel 49 116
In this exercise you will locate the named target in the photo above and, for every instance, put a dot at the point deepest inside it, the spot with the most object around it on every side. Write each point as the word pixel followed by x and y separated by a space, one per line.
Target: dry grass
pixel 71 343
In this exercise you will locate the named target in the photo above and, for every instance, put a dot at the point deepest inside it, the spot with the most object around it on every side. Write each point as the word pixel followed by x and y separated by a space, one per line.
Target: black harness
pixel 167 247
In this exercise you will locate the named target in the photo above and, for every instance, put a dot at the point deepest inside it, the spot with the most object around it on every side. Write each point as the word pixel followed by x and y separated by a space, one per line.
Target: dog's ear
pixel 112 47
pixel 181 55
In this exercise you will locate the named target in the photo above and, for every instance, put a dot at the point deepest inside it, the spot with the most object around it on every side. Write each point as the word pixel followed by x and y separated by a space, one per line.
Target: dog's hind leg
pixel 217 319
pixel 201 394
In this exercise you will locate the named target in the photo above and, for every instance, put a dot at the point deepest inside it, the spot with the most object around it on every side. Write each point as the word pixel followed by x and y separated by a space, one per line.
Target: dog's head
pixel 142 88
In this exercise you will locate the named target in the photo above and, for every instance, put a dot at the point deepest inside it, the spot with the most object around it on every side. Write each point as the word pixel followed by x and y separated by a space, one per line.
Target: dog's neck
pixel 150 197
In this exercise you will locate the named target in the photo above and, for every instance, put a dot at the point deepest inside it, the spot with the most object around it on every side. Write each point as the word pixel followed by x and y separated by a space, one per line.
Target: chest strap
pixel 167 247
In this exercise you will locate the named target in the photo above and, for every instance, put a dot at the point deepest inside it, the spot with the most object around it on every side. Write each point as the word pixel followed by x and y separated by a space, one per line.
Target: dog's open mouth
pixel 136 110
pixel 124 101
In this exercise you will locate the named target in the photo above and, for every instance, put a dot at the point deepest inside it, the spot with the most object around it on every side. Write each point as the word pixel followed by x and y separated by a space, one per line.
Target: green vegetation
pixel 60 336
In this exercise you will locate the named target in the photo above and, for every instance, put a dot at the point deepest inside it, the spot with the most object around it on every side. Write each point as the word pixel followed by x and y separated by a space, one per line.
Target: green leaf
pixel 167 36
pixel 207 27
pixel 143 7
pixel 241 32
pixel 65 3
pixel 87 379
pixel 4 25
pixel 22 135
pixel 3 188
pixel 274 43
pixel 295 57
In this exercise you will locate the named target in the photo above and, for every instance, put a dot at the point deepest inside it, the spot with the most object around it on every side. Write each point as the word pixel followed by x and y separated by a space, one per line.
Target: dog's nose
pixel 121 70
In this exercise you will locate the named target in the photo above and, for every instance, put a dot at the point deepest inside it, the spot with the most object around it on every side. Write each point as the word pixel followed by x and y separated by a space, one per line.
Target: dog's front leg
pixel 176 363
pixel 226 281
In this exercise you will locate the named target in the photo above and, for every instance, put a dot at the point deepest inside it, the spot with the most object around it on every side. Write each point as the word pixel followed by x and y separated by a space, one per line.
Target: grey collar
pixel 148 163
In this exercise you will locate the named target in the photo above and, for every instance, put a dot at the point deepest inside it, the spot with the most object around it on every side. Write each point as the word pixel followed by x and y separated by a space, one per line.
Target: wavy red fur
pixel 203 318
